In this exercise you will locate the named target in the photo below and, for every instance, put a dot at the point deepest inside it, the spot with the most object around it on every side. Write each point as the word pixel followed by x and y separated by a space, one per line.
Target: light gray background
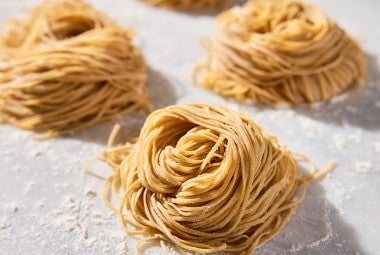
pixel 49 206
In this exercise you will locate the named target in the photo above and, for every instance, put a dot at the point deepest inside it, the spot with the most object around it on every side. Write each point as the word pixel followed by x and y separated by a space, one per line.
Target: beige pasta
pixel 188 4
pixel 205 178
pixel 280 52
pixel 67 66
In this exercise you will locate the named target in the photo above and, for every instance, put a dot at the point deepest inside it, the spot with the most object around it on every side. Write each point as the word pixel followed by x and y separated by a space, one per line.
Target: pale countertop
pixel 49 206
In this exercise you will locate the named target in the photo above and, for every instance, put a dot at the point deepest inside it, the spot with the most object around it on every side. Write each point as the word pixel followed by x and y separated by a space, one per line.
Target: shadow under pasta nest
pixel 315 228
pixel 161 92
pixel 360 108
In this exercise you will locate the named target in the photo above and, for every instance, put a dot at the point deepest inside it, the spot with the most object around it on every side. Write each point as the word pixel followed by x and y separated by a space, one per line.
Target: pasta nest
pixel 281 52
pixel 205 178
pixel 67 66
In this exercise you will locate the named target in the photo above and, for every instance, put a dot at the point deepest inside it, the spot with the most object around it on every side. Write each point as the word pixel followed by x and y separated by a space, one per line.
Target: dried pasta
pixel 280 52
pixel 205 178
pixel 68 66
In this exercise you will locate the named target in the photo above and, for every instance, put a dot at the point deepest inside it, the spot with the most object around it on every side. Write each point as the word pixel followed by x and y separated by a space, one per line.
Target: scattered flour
pixel 74 227
pixel 17 168
pixel 29 188
pixel 41 204
pixel 351 109
pixel 364 167
pixel 341 192
pixel 310 127
pixel 12 207
pixel 4 223
pixel 316 105
pixel 339 98
pixel 342 141
pixel 90 192
pixel 377 146
pixel 61 186
pixel 36 153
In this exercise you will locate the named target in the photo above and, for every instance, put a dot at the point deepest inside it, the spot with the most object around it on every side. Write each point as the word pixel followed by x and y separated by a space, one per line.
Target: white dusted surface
pixel 49 206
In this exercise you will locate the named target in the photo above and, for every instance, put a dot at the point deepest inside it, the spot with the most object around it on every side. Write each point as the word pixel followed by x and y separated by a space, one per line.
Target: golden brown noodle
pixel 205 178
pixel 280 51
pixel 67 66
pixel 188 4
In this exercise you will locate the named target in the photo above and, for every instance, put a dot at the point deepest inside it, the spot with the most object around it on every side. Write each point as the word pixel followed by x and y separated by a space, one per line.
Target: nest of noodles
pixel 67 66
pixel 280 52
pixel 205 178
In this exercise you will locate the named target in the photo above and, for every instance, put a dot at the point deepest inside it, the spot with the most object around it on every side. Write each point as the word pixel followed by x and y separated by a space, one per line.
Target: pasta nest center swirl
pixel 194 156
